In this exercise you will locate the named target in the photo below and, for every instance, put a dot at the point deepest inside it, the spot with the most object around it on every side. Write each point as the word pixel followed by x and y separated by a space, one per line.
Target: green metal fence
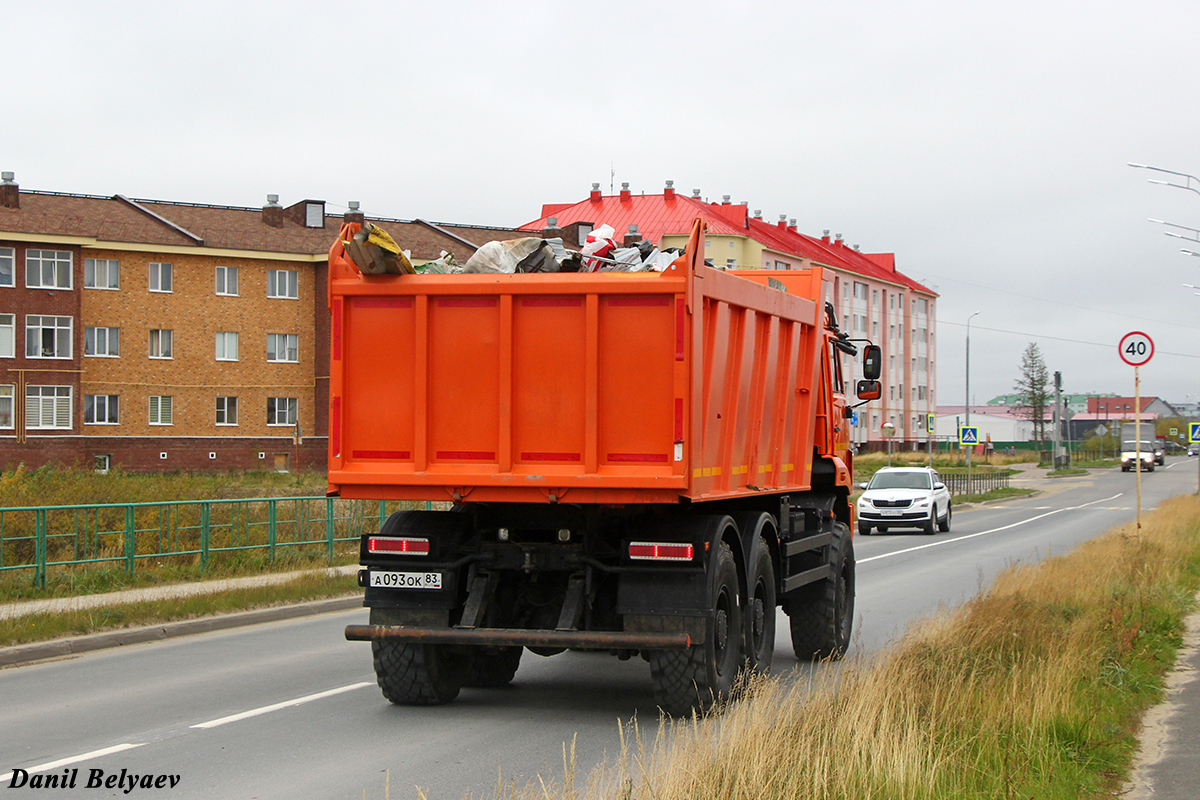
pixel 41 538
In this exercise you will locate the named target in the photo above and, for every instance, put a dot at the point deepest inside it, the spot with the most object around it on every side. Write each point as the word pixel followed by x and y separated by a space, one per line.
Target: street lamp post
pixel 968 410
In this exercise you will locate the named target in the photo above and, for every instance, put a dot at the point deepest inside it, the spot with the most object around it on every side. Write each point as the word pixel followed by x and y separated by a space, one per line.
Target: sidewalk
pixel 74 645
pixel 60 604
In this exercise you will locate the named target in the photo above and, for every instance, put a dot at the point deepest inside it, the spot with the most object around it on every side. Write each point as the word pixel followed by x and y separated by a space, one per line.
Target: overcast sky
pixel 985 144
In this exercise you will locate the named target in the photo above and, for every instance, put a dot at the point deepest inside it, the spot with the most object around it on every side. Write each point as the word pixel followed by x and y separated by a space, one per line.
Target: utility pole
pixel 1057 416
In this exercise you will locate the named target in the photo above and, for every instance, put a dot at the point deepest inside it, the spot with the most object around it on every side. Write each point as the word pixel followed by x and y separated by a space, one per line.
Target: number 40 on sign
pixel 1136 348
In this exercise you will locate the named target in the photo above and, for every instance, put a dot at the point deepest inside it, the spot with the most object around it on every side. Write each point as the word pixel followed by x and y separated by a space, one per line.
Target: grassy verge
pixel 64 486
pixel 43 627
pixel 1005 493
pixel 1062 473
pixel 1034 689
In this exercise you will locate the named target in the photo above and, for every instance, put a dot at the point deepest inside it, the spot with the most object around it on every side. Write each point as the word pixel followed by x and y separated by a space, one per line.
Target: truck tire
pixel 417 674
pixel 759 624
pixel 492 667
pixel 822 613
pixel 703 674
pixel 944 524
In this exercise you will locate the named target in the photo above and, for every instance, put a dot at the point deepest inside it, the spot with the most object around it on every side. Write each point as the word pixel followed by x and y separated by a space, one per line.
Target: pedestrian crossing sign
pixel 1194 433
pixel 968 435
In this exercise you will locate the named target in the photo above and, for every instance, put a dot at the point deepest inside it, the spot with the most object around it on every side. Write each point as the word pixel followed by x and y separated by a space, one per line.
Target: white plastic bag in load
pixel 529 254
pixel 598 243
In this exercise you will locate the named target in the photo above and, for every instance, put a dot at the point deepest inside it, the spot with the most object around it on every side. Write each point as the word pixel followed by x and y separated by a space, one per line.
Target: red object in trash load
pixel 598 243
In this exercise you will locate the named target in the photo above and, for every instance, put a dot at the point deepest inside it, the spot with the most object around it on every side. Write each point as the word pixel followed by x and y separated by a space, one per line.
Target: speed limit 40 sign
pixel 1136 348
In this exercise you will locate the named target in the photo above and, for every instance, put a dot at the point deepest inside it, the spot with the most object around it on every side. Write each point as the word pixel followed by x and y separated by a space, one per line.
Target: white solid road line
pixel 985 533
pixel 285 704
pixel 62 762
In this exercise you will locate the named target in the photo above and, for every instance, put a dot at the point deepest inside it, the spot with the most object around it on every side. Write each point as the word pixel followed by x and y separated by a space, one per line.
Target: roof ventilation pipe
pixel 272 213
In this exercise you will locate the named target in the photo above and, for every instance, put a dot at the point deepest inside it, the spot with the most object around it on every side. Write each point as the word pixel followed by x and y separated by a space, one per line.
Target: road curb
pixel 74 645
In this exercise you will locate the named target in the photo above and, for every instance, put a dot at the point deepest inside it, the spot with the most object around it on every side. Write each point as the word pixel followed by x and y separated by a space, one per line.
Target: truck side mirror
pixel 872 362
pixel 868 390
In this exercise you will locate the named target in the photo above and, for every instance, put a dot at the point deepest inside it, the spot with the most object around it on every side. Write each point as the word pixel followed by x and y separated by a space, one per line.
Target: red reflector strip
pixel 383 302
pixel 337 329
pixel 411 547
pixel 399 455
pixel 648 458
pixel 335 427
pixel 680 329
pixel 658 551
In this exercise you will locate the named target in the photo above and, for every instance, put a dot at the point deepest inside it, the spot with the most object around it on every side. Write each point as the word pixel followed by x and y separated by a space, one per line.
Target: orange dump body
pixel 616 388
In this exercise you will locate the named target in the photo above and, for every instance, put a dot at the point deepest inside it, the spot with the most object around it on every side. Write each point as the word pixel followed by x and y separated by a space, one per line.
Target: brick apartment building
pixel 870 296
pixel 170 336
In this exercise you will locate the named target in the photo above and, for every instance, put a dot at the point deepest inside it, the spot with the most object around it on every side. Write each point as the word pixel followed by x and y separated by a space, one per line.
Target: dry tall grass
pixel 1031 690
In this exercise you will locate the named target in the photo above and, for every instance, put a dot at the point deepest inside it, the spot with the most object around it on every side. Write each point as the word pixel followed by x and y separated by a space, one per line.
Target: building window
pixel 585 228
pixel 781 265
pixel 102 463
pixel 48 407
pixel 48 269
pixel 282 410
pixel 283 347
pixel 101 273
pixel 101 409
pixel 48 337
pixel 101 341
pixel 923 305
pixel 160 344
pixel 160 409
pixel 160 277
pixel 283 283
pixel 731 263
pixel 860 291
pixel 227 411
pixel 8 335
pixel 6 407
pixel 227 280
pixel 314 215
pixel 227 346
pixel 8 265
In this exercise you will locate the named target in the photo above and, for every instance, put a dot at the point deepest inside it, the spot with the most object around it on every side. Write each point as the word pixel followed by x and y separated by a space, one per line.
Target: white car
pixel 904 497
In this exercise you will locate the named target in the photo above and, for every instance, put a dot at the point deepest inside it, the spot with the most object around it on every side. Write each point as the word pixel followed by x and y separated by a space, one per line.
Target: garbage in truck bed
pixel 376 253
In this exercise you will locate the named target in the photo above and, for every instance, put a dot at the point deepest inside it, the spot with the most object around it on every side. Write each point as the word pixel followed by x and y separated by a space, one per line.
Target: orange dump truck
pixel 639 463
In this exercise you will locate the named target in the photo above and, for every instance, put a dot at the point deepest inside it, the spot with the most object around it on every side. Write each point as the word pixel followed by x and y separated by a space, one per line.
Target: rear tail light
pixel 403 546
pixel 661 551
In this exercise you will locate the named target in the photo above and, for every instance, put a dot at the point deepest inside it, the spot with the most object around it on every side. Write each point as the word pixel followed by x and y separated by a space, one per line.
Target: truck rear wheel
pixel 492 667
pixel 417 674
pixel 696 678
pixel 760 610
pixel 822 613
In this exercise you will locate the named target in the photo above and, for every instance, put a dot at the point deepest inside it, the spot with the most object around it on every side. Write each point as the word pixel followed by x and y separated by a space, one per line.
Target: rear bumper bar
pixel 578 640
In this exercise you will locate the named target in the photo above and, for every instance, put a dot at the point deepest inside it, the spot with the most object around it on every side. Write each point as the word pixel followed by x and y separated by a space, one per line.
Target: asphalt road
pixel 291 709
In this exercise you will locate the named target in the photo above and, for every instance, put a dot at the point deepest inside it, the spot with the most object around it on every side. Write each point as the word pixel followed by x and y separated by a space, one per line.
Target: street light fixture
pixel 1195 237
pixel 1188 179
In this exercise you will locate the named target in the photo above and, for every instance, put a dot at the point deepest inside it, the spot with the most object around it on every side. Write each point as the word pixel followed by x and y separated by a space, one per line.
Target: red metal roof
pixel 658 215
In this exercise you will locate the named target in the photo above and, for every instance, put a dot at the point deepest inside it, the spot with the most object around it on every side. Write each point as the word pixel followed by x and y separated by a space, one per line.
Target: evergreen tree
pixel 1032 386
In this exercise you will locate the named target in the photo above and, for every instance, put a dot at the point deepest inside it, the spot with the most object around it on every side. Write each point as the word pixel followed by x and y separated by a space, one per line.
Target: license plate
pixel 406 580
pixel 892 512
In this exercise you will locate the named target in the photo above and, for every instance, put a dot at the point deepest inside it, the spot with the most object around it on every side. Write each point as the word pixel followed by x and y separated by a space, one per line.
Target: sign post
pixel 1136 349
pixel 1194 439
pixel 968 436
